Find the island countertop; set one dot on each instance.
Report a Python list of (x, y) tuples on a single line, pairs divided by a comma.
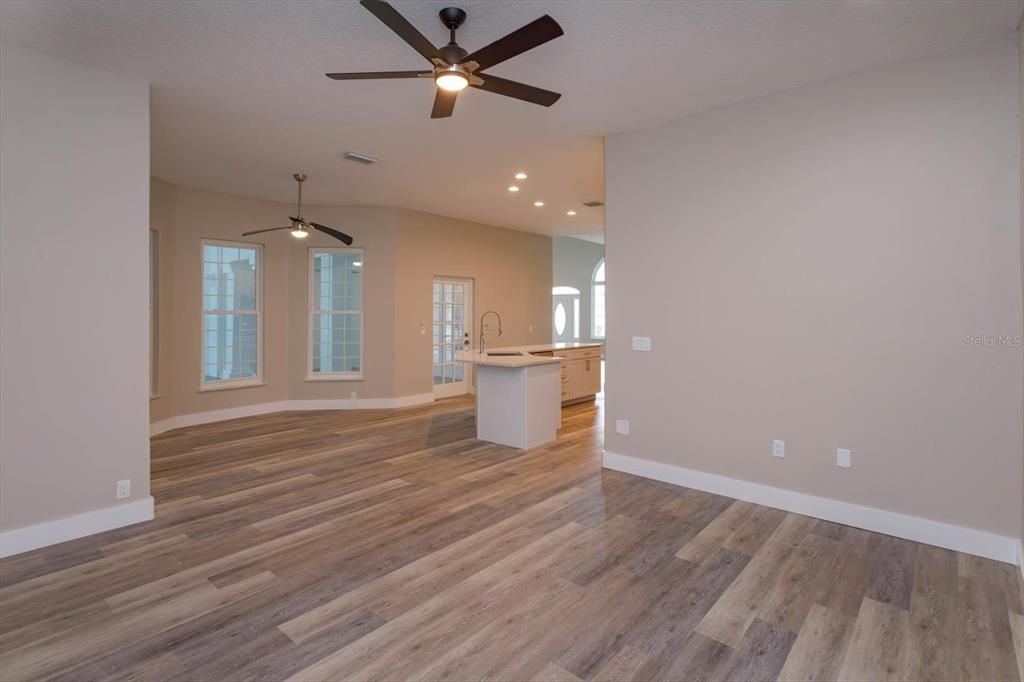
[(522, 357)]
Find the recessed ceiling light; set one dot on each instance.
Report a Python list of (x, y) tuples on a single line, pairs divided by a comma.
[(513, 188), (520, 175), (570, 213), (538, 203)]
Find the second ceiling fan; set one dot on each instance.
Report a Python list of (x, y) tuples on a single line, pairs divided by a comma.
[(456, 69)]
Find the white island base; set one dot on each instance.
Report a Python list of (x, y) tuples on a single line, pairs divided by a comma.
[(518, 399)]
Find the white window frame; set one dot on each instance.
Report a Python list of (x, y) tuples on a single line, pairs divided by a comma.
[(311, 312), (593, 301), (225, 384)]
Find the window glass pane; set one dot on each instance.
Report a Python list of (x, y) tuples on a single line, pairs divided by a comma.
[(230, 348), (560, 319), (599, 322), (229, 278), (230, 328), (336, 305), (599, 273)]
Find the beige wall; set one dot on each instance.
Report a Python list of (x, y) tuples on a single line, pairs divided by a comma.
[(402, 252), (209, 215), (74, 189), (808, 265), (511, 273), (374, 231)]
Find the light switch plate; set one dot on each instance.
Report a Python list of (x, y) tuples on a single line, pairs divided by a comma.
[(842, 458), (642, 343), (622, 426), (778, 448)]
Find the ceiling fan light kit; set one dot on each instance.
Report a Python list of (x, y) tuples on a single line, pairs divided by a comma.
[(455, 69), (300, 226)]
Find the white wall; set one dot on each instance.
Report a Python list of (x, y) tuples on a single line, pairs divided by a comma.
[(74, 195), (808, 265)]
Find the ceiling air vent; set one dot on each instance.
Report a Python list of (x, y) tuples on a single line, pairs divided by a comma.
[(356, 157), (593, 204)]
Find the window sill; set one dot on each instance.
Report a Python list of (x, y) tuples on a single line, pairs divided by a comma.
[(228, 385), (335, 377)]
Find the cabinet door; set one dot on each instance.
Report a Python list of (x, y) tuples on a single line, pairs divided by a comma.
[(577, 378), (592, 376)]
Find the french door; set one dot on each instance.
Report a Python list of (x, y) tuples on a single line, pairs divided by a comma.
[(453, 332)]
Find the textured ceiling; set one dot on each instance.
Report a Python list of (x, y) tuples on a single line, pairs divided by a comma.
[(239, 100)]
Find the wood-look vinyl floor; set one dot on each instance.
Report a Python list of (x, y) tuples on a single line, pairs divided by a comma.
[(392, 545)]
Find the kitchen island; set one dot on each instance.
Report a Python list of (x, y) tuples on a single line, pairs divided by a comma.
[(520, 389)]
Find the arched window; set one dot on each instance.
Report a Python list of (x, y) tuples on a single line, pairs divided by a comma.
[(597, 302), (565, 307)]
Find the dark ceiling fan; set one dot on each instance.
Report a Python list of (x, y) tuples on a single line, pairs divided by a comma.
[(300, 226), (454, 68)]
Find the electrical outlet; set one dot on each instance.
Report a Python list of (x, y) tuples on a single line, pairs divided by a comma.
[(842, 458), (622, 426), (531, 328), (778, 448), (642, 343), (124, 489), (352, 396)]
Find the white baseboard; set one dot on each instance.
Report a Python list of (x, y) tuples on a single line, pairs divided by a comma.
[(69, 528), (958, 538), (159, 427)]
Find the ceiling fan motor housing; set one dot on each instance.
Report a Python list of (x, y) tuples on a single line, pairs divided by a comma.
[(452, 17)]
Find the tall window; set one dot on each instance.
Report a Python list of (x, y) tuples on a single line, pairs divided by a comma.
[(232, 314), (154, 312), (597, 301), (336, 313)]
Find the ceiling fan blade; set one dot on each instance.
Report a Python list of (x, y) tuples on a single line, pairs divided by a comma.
[(367, 75), (400, 25), (340, 236), (269, 229), (535, 33), (444, 103), (527, 93)]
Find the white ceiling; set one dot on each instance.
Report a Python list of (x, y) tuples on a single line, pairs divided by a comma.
[(239, 100)]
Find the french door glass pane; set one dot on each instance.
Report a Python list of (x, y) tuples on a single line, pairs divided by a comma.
[(449, 330)]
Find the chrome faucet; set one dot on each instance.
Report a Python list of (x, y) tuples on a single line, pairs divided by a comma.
[(483, 329)]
